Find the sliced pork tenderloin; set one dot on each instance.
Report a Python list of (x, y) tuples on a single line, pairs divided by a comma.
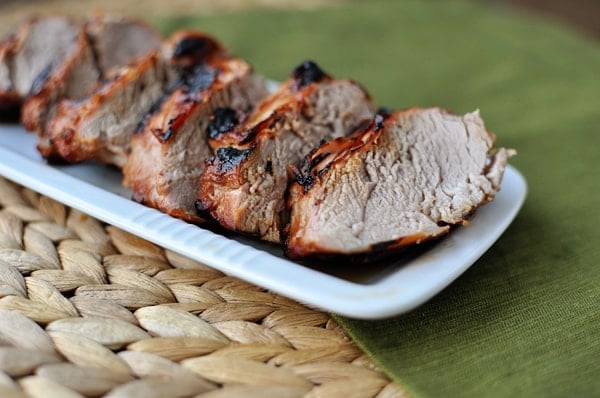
[(404, 179), (243, 186), (81, 70), (27, 52), (118, 40), (71, 76), (100, 126), (169, 149)]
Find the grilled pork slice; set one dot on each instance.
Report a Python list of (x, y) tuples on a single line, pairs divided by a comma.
[(169, 149), (100, 127), (26, 53), (71, 76), (83, 66), (244, 184), (404, 179)]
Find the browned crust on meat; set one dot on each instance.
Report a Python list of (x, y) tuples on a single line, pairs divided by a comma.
[(264, 119), (225, 172), (181, 103), (138, 177), (222, 170), (77, 74), (64, 128), (326, 155), (322, 158), (189, 47), (201, 88), (229, 183), (184, 49), (308, 176), (313, 251), (169, 112)]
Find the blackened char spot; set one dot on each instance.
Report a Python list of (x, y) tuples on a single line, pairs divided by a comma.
[(192, 83), (202, 209), (230, 157), (268, 123), (303, 174), (197, 47), (379, 119), (222, 121), (307, 181), (306, 73), (168, 133), (40, 80), (376, 123), (383, 246), (199, 78), (384, 111), (153, 109)]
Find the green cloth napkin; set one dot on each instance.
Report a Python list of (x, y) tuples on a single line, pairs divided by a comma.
[(525, 319)]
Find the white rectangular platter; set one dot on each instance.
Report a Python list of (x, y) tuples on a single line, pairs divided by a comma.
[(367, 292)]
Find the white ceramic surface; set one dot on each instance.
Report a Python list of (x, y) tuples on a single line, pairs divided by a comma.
[(366, 292)]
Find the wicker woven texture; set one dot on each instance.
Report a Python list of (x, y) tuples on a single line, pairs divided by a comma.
[(89, 310)]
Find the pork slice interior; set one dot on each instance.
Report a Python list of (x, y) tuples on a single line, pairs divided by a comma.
[(428, 169), (117, 41), (48, 39)]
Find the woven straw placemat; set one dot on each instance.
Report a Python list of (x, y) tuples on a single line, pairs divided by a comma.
[(87, 309)]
